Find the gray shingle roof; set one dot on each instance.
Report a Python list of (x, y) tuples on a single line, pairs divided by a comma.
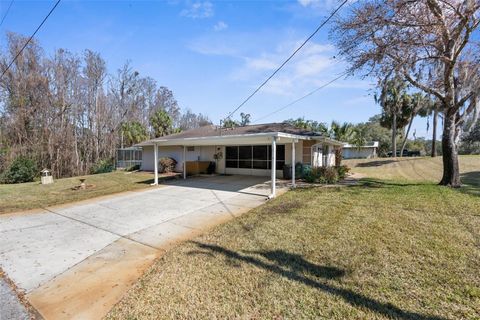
[(214, 131)]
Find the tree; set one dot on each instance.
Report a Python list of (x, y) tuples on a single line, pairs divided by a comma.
[(427, 42), (133, 132), (244, 119), (311, 125), (342, 132), (394, 101), (66, 113), (372, 130), (471, 139), (161, 123), (419, 104)]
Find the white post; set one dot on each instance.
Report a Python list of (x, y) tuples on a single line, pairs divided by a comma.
[(184, 162), (155, 165), (274, 166), (293, 163)]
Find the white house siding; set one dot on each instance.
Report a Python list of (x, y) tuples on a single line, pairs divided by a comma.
[(354, 153)]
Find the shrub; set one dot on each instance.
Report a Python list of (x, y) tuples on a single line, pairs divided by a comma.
[(330, 174), (167, 164), (133, 168), (102, 166), (321, 175), (310, 177), (342, 171), (22, 169)]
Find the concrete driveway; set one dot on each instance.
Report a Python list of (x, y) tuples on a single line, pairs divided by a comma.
[(76, 261)]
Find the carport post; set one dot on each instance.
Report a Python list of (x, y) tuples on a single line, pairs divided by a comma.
[(155, 165), (293, 163), (184, 162), (274, 166)]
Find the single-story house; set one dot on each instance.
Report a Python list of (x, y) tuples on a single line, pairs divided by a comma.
[(370, 150), (260, 150)]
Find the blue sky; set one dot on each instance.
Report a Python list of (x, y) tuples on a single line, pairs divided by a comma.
[(212, 54)]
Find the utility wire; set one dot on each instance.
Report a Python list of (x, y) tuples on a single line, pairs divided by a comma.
[(30, 39), (6, 13), (301, 98), (288, 59)]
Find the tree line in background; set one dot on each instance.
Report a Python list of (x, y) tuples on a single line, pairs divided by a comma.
[(66, 112), (360, 134)]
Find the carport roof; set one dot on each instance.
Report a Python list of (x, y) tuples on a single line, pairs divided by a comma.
[(216, 134)]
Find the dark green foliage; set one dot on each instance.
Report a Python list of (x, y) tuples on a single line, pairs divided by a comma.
[(325, 175), (133, 132), (470, 143), (133, 168), (167, 164), (342, 171), (103, 166), (22, 169), (309, 125), (161, 123), (244, 121)]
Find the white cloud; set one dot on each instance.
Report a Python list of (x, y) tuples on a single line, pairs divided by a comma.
[(261, 63), (220, 26), (198, 10), (312, 65), (306, 3), (254, 58)]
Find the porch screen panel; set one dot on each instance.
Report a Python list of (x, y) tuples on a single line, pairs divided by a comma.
[(260, 157), (280, 157), (253, 157), (245, 157), (231, 157)]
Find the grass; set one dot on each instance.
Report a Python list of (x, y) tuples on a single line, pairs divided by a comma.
[(409, 169), (16, 197), (383, 249)]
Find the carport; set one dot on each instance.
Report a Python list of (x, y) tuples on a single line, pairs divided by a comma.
[(257, 139)]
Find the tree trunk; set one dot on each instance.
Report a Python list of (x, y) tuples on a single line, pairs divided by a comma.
[(451, 172), (394, 134), (434, 134), (406, 135), (338, 156)]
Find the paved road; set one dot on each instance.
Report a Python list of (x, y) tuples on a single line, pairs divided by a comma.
[(10, 306), (77, 261)]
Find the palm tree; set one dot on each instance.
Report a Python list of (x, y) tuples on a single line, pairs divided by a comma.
[(342, 132)]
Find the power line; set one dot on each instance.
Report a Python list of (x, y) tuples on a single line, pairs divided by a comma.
[(6, 13), (301, 98), (30, 39), (288, 59)]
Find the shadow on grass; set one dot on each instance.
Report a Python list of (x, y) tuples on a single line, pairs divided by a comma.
[(294, 267), (377, 183), (471, 183), (377, 163)]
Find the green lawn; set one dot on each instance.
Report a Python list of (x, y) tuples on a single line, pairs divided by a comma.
[(15, 197), (383, 249)]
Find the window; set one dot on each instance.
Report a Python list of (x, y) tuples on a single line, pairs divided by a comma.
[(231, 157), (253, 157), (190, 149)]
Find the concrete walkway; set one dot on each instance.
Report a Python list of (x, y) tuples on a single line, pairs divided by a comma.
[(77, 261)]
